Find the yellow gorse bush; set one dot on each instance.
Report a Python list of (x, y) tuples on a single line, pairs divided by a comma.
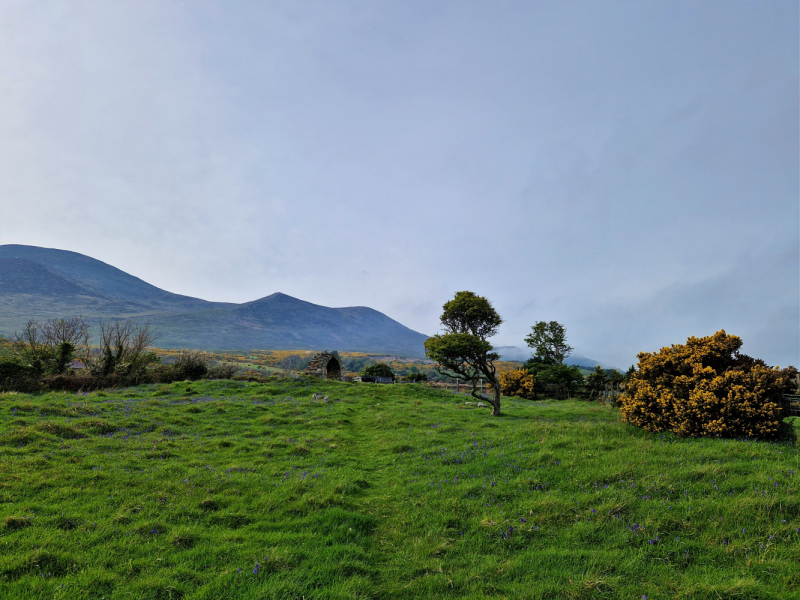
[(706, 388), (517, 383)]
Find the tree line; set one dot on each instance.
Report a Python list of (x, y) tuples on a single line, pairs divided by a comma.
[(59, 354)]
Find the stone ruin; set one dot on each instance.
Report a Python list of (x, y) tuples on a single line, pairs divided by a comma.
[(325, 365)]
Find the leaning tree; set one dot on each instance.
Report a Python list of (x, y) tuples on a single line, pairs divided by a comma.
[(462, 351)]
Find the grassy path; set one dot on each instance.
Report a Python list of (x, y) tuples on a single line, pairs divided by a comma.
[(235, 490)]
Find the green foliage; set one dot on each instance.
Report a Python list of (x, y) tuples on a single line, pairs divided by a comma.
[(13, 370), (566, 377), (596, 381), (549, 341), (62, 358), (466, 357), (378, 370), (470, 314), (459, 351), (124, 346), (192, 364), (154, 492), (357, 365), (50, 347), (222, 371), (418, 377), (558, 378)]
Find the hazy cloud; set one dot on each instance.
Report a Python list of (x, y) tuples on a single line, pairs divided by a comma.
[(627, 168)]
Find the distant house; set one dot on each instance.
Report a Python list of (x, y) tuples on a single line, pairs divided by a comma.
[(77, 365)]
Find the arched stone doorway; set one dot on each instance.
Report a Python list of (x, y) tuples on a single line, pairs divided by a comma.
[(325, 365), (334, 368)]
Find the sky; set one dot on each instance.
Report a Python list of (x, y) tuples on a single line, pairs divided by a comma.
[(629, 169)]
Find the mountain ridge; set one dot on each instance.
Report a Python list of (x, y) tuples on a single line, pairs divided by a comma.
[(102, 278), (40, 283)]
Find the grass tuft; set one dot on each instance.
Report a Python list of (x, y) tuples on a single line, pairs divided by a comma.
[(14, 522)]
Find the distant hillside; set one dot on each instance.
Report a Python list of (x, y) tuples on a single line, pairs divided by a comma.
[(102, 280), (40, 283), (289, 323), (20, 276)]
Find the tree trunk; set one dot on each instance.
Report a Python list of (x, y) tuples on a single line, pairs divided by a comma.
[(495, 399)]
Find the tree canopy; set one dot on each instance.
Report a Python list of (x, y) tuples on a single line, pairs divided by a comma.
[(462, 351), (378, 370), (472, 314), (597, 380), (549, 341)]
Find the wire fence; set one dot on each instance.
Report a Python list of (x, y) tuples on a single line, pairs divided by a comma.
[(792, 404)]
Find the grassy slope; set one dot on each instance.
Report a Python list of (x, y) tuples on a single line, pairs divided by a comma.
[(386, 491)]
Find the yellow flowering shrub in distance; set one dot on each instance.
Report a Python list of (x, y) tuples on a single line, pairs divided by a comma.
[(707, 388), (517, 383)]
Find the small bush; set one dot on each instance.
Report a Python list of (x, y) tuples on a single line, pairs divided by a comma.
[(14, 369), (191, 364), (16, 376), (706, 388), (517, 383), (163, 374), (378, 370), (222, 371)]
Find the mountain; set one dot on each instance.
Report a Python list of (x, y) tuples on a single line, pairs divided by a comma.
[(102, 280), (40, 283), (289, 323), (515, 353)]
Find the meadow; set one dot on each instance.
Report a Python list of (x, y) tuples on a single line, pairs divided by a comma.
[(271, 362), (232, 489)]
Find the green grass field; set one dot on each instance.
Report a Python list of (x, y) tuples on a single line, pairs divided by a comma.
[(242, 490)]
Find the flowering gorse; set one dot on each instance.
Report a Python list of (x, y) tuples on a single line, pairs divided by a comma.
[(706, 388)]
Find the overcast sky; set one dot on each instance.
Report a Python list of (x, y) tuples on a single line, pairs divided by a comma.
[(629, 169)]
